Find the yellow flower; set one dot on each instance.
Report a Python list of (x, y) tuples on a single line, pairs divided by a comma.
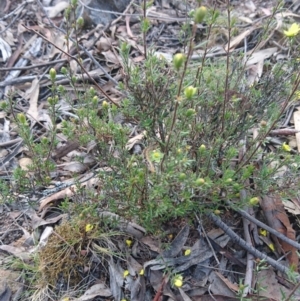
[(128, 242), (125, 273), (286, 147), (187, 252), (156, 156), (271, 246), (142, 272), (88, 227), (292, 31), (263, 232), (177, 281)]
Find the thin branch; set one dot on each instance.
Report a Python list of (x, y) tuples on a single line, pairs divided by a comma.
[(292, 292), (207, 239), (242, 243), (34, 66), (264, 226), (250, 257)]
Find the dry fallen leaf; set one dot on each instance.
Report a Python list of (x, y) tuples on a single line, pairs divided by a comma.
[(260, 55), (277, 219), (32, 95), (254, 73), (104, 44), (5, 50), (24, 162), (238, 39), (67, 192), (292, 206), (53, 11), (19, 252), (96, 290), (272, 288), (221, 285), (134, 140)]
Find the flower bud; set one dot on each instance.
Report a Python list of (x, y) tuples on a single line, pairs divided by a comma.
[(80, 22), (63, 70), (182, 176), (52, 100), (92, 91), (104, 104), (263, 123), (200, 182), (67, 12), (95, 100), (189, 92), (202, 148), (178, 60), (3, 105), (200, 14), (190, 112), (44, 140), (254, 201), (22, 118), (52, 74), (61, 89)]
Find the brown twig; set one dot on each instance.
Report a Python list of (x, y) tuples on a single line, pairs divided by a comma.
[(250, 257), (34, 66), (242, 243), (207, 239), (159, 291), (293, 291), (264, 226)]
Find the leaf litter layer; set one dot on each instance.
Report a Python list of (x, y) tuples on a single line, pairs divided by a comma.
[(99, 163)]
